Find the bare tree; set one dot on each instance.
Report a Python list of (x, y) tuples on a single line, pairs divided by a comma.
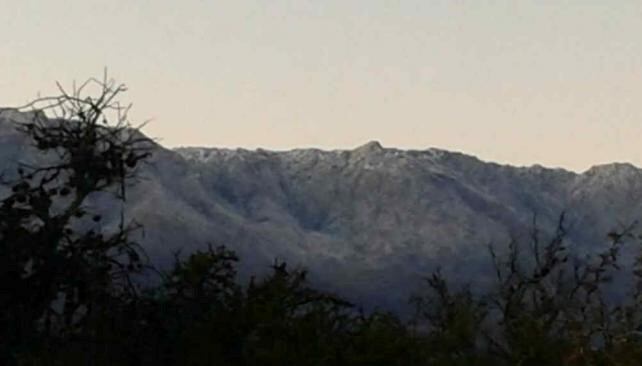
[(58, 266)]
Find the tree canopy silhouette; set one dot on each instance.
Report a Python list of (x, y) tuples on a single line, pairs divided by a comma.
[(58, 265)]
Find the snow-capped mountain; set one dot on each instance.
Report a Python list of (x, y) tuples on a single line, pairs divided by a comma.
[(368, 223)]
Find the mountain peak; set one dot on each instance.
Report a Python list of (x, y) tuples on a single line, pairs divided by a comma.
[(16, 115), (369, 147), (613, 168)]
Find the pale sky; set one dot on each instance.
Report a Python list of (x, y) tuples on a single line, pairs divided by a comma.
[(557, 83)]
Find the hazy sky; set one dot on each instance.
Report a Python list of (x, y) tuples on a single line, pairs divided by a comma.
[(557, 83)]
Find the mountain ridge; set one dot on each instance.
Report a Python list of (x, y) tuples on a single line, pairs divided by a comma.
[(189, 151), (368, 222)]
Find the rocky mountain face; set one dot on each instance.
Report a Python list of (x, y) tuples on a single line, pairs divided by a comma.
[(368, 223)]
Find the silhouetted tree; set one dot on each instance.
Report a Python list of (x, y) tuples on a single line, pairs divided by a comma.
[(58, 267), (548, 308)]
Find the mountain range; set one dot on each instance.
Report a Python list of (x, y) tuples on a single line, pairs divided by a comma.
[(368, 223)]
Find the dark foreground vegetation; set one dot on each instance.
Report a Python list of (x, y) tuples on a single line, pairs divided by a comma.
[(71, 293)]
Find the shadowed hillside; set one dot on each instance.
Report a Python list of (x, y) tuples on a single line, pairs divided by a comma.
[(361, 220)]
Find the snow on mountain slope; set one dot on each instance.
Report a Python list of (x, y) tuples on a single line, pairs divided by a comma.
[(367, 222)]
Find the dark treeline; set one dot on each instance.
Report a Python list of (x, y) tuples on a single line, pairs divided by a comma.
[(69, 293)]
